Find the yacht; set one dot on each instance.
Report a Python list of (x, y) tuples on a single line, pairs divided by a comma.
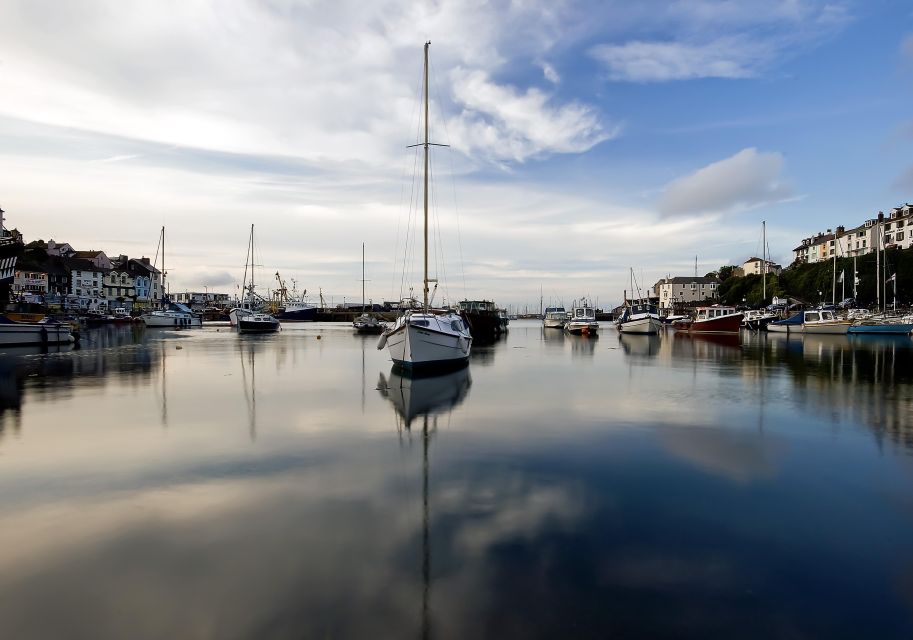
[(715, 319), (555, 317)]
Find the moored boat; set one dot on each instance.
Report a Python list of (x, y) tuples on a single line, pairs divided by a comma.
[(715, 319), (582, 321), (249, 318), (425, 340), (43, 332), (880, 327), (758, 319), (368, 323), (815, 321), (175, 316), (483, 318), (555, 317), (640, 317), (258, 323)]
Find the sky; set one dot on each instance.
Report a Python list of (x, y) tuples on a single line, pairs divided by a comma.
[(586, 139)]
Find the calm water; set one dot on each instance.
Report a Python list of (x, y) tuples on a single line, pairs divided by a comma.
[(206, 485)]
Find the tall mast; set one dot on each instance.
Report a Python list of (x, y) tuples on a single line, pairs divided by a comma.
[(251, 296), (164, 273), (425, 145), (362, 277), (834, 285), (878, 260), (764, 261)]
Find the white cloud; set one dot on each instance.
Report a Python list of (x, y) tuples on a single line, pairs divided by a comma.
[(550, 73), (735, 39), (662, 61), (510, 125), (743, 181)]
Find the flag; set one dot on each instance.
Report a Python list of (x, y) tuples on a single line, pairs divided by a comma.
[(892, 278), (840, 279)]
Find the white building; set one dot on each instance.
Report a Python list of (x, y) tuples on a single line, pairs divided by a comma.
[(892, 228), (87, 284), (672, 291), (756, 266)]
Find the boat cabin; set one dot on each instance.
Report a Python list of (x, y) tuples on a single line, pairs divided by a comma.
[(584, 313), (820, 316), (709, 313), (478, 306)]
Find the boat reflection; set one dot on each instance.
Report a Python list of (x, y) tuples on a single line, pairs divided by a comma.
[(425, 397), (583, 346), (413, 397), (640, 345)]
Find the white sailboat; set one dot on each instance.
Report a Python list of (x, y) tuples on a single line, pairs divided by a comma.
[(172, 315), (247, 318), (425, 339)]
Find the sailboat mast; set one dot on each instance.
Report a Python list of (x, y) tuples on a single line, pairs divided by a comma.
[(425, 287), (834, 285), (764, 261), (251, 296), (164, 273), (362, 277)]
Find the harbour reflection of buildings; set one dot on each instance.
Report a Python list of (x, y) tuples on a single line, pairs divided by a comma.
[(867, 380), (34, 374)]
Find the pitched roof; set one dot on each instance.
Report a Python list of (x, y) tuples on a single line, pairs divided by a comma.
[(688, 280)]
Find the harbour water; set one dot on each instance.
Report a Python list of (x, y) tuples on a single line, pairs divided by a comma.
[(201, 484)]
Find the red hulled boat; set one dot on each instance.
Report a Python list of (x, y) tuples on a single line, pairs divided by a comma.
[(715, 319)]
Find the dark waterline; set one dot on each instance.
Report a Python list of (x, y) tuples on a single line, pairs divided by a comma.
[(199, 484)]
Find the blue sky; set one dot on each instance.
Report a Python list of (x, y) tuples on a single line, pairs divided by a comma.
[(587, 138)]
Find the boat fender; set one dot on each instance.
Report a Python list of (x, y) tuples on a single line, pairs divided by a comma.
[(382, 342), (463, 343)]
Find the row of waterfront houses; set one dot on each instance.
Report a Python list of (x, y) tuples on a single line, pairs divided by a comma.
[(888, 230), (671, 291)]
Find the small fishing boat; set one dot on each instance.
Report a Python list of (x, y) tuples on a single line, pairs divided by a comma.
[(582, 321), (555, 317), (45, 331), (483, 318), (815, 321), (639, 316), (715, 319)]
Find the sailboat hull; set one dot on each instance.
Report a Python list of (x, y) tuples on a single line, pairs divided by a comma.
[(424, 348), (643, 326)]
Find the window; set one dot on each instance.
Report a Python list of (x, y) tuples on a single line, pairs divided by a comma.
[(899, 236), (693, 286), (863, 244), (811, 317)]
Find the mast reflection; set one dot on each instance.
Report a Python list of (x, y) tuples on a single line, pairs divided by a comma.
[(424, 398)]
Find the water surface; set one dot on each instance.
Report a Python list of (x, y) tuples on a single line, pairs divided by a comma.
[(201, 484)]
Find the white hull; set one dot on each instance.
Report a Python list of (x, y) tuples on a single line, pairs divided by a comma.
[(35, 333), (577, 327), (645, 326), (166, 320), (553, 323), (437, 345), (237, 313), (825, 328)]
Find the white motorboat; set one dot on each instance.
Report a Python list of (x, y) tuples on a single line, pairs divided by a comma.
[(43, 332), (366, 322), (816, 321), (555, 317), (582, 320), (425, 339)]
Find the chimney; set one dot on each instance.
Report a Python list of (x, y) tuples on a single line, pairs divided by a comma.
[(144, 260), (880, 217), (841, 230)]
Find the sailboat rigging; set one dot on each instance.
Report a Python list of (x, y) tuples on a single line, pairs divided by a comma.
[(172, 315), (427, 339), (246, 317)]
